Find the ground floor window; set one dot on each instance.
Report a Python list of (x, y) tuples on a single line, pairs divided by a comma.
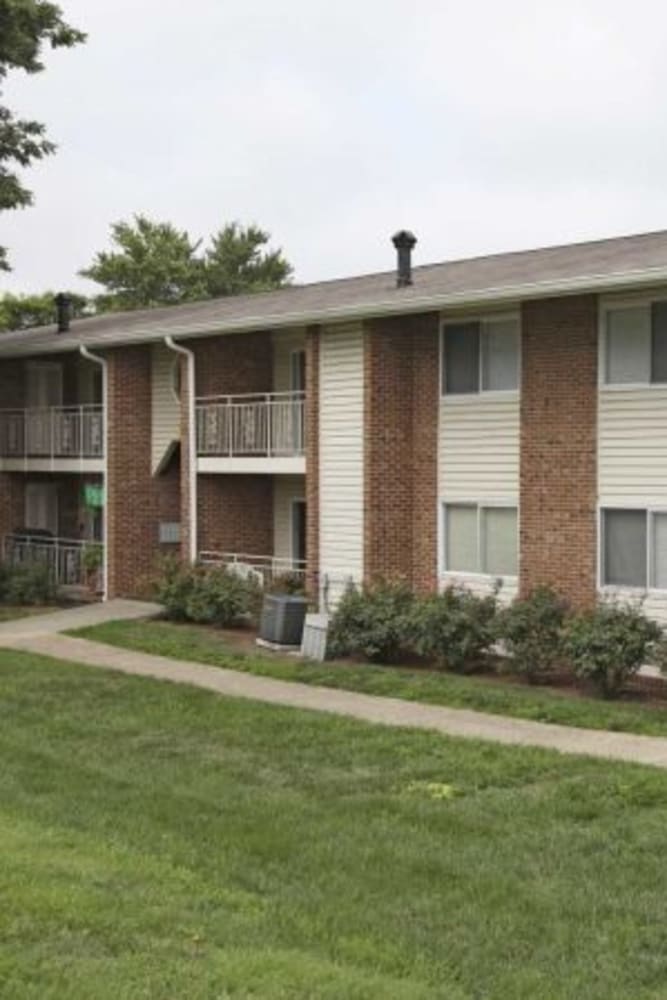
[(480, 538), (634, 548)]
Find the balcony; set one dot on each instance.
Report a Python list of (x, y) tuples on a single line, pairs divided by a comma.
[(264, 570), (56, 439), (262, 432), (71, 562)]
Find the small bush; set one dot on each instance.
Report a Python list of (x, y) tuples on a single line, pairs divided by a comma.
[(206, 595), (372, 622), (608, 645), (530, 630), (287, 583), (28, 583), (454, 628)]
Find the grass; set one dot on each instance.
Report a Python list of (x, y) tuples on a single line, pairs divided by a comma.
[(161, 842), (190, 642)]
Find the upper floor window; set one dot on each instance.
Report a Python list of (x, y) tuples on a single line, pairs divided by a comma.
[(635, 344), (480, 356)]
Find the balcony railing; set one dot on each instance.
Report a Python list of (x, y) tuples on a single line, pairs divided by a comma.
[(268, 425), (264, 569), (52, 432), (71, 562)]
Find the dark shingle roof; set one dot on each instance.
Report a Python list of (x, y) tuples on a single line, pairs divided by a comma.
[(622, 262)]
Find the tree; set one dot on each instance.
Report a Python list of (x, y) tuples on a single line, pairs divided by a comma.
[(153, 263), (25, 26), (18, 312), (234, 263)]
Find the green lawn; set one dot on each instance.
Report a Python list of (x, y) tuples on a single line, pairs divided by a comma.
[(161, 842), (190, 642)]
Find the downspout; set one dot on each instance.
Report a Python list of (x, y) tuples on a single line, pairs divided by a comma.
[(102, 362), (192, 441)]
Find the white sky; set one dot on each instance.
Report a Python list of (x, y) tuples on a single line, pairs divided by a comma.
[(483, 126)]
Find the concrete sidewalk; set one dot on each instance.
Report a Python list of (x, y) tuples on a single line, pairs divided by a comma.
[(71, 618), (370, 708)]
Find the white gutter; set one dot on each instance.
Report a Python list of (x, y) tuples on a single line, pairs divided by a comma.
[(192, 442), (102, 362)]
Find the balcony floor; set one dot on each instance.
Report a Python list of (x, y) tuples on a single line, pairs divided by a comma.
[(258, 464), (83, 465)]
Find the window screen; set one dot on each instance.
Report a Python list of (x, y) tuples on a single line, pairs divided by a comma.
[(628, 345), (461, 358), (499, 541), (461, 538), (624, 553), (659, 342), (500, 355)]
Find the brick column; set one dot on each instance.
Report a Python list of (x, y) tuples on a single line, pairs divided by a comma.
[(558, 478), (401, 396), (131, 502), (312, 429)]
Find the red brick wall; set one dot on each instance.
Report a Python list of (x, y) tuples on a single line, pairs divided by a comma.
[(401, 395), (236, 513), (235, 364), (312, 458), (558, 476), (136, 500)]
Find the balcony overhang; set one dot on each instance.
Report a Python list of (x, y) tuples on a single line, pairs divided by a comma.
[(289, 465), (82, 465)]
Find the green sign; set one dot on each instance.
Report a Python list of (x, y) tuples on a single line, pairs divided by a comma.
[(93, 495)]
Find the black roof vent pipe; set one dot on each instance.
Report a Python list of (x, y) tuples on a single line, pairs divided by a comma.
[(63, 311), (404, 241)]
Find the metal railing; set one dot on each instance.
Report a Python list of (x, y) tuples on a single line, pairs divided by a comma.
[(266, 425), (71, 562), (52, 432), (264, 569)]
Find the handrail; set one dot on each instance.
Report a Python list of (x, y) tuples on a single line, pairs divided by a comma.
[(269, 425), (245, 397), (52, 432)]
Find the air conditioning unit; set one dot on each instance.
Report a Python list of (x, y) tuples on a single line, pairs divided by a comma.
[(282, 619)]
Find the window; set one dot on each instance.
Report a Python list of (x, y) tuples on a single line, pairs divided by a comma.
[(634, 548), (480, 539), (480, 356), (636, 344)]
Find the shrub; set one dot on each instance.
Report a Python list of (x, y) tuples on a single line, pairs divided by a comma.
[(372, 622), (454, 628), (608, 645), (28, 583), (531, 630), (206, 595), (287, 583)]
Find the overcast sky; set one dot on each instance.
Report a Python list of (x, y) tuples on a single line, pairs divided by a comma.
[(483, 126)]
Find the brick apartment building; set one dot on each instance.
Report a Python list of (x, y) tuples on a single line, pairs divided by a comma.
[(503, 417)]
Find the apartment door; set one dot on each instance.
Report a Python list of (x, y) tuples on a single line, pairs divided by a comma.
[(299, 531), (44, 389), (41, 507)]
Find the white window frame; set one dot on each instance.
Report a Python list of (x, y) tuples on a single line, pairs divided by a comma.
[(615, 588), (612, 304), (481, 318), (461, 574)]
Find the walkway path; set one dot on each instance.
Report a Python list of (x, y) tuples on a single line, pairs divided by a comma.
[(39, 635)]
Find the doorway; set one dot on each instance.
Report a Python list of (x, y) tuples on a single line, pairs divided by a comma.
[(299, 530)]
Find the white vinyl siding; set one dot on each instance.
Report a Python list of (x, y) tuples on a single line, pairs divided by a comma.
[(632, 446), (285, 490), (479, 448), (165, 407), (341, 454), (284, 343)]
